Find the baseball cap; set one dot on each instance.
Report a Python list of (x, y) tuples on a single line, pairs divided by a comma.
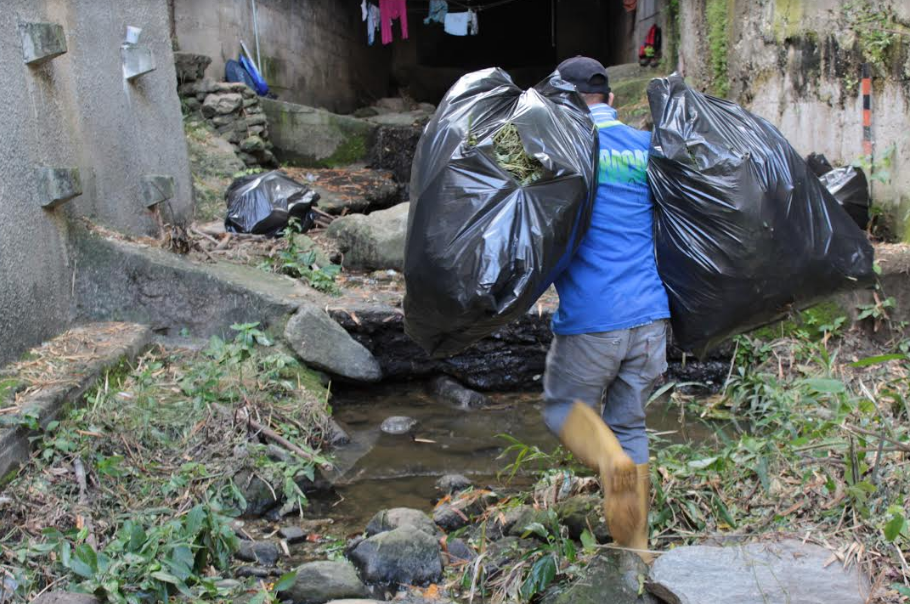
[(587, 74)]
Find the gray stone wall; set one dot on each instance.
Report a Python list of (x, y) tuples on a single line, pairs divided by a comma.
[(313, 52), (77, 111)]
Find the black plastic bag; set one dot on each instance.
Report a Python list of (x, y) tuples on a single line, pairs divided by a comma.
[(851, 190), (819, 164), (262, 204), (744, 231), (481, 248)]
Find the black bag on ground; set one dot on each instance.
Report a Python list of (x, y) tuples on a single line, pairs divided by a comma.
[(851, 190), (481, 247), (744, 231), (262, 204)]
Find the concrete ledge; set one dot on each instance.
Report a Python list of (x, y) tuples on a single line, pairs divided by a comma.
[(121, 281), (87, 353)]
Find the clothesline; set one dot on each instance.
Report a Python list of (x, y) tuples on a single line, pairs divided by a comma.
[(475, 8)]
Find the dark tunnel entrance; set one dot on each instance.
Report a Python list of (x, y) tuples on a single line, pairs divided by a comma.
[(527, 38)]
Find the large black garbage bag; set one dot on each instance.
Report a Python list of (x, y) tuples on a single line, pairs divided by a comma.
[(481, 247), (262, 204), (744, 231), (850, 188)]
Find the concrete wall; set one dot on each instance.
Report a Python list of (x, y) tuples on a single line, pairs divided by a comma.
[(797, 63), (313, 52), (77, 110)]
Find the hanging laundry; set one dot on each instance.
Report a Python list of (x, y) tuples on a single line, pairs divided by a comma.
[(438, 11), (630, 5), (370, 13), (462, 24), (389, 11)]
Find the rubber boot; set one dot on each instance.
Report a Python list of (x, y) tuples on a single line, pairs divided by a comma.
[(585, 434), (640, 536)]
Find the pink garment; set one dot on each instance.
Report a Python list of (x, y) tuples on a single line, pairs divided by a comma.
[(390, 10)]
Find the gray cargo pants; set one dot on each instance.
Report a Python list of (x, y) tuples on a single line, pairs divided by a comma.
[(619, 368)]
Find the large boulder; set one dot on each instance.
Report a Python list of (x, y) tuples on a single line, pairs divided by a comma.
[(614, 577), (190, 66), (321, 343), (355, 191), (372, 242), (395, 518), (757, 573), (221, 104), (318, 582), (401, 556)]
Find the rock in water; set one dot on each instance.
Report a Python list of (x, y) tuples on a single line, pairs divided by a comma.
[(374, 241), (614, 577), (260, 552), (319, 582), (452, 483), (788, 571), (389, 520), (455, 394), (324, 344), (398, 425), (401, 556), (449, 518)]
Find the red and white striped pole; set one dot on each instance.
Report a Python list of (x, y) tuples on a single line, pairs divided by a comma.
[(867, 111)]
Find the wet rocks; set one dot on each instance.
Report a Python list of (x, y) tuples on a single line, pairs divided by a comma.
[(221, 104), (581, 513), (452, 483), (372, 242), (449, 518), (321, 343), (450, 391), (458, 551), (395, 518), (788, 571), (253, 571), (614, 577), (319, 582), (398, 425), (260, 552), (399, 556), (292, 534)]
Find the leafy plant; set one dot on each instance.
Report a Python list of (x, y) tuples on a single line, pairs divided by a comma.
[(510, 154), (303, 264), (555, 553)]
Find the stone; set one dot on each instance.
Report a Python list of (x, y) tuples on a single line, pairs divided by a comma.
[(249, 160), (190, 66), (517, 520), (372, 242), (306, 136), (250, 102), (56, 186), (255, 130), (393, 149), (253, 571), (365, 112), (337, 436), (786, 571), (260, 552), (292, 534), (248, 92), (450, 391), (157, 188), (257, 119), (449, 518), (65, 597), (452, 483), (395, 518), (323, 581), (398, 425), (235, 87), (305, 244), (400, 556), (583, 512), (459, 551), (221, 104), (41, 42), (191, 105), (614, 577), (393, 104), (322, 343), (346, 190), (224, 120), (427, 108), (137, 60), (252, 144)]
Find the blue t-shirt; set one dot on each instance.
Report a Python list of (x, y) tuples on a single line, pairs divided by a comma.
[(612, 281)]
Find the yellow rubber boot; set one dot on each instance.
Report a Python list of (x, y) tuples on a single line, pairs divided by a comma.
[(585, 434), (640, 536)]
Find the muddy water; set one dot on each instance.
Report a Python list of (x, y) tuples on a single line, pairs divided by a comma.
[(378, 470)]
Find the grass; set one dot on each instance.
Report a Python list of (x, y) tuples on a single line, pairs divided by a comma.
[(510, 154), (129, 497)]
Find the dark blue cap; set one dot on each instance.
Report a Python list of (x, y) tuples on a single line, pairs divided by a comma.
[(587, 74)]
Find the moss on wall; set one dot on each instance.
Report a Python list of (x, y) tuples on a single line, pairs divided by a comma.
[(788, 16), (718, 16)]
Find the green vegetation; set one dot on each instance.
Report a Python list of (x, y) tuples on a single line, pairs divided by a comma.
[(129, 497), (304, 264), (877, 31), (671, 60), (510, 154), (717, 15)]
